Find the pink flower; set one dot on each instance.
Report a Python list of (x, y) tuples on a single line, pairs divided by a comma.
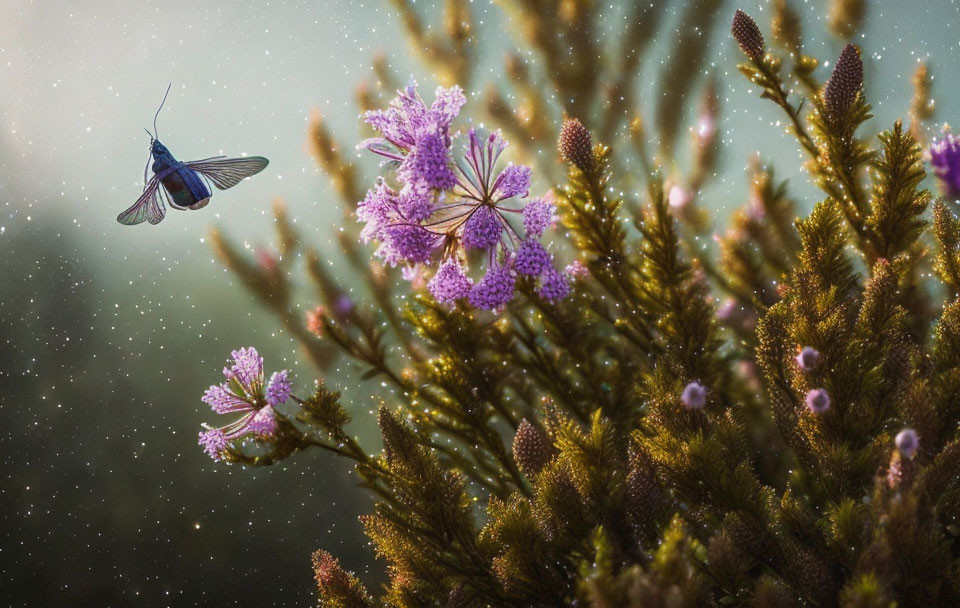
[(808, 358), (244, 392), (315, 321), (455, 203), (679, 197), (818, 401), (907, 442), (694, 396)]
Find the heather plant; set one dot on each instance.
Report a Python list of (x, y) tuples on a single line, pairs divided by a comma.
[(621, 417)]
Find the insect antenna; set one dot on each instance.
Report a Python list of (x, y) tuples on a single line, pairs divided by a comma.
[(149, 156), (158, 110)]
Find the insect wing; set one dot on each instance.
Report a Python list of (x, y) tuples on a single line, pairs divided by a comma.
[(228, 172), (148, 207)]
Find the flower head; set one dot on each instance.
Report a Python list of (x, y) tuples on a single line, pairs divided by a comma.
[(437, 218), (247, 368), (417, 137), (538, 214), (808, 358), (554, 286), (278, 390), (818, 401), (531, 258), (907, 442), (449, 283), (428, 163), (945, 158), (244, 392), (263, 423), (494, 290), (694, 396), (513, 181), (408, 242), (214, 443), (482, 230)]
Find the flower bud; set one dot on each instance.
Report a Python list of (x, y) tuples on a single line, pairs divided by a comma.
[(818, 401), (907, 442), (808, 358), (845, 82), (644, 494), (575, 144), (531, 448), (747, 35), (694, 396)]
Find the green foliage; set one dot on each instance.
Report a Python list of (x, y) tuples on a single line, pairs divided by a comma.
[(841, 156), (896, 202), (591, 214), (946, 227), (547, 455)]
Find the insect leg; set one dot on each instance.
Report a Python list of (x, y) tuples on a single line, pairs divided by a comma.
[(166, 196)]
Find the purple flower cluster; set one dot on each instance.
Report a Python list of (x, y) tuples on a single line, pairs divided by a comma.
[(447, 207), (244, 391), (945, 159)]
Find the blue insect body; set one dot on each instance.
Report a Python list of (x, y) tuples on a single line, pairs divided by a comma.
[(185, 185), (185, 188)]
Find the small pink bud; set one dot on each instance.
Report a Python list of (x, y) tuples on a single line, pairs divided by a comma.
[(808, 358), (694, 396), (576, 270), (907, 442), (679, 197), (818, 401), (315, 321)]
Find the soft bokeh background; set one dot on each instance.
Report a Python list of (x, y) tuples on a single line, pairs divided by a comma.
[(109, 334)]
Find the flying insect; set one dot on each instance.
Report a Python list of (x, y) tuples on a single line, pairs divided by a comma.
[(184, 185)]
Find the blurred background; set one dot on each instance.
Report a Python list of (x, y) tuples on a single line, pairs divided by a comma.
[(110, 334)]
